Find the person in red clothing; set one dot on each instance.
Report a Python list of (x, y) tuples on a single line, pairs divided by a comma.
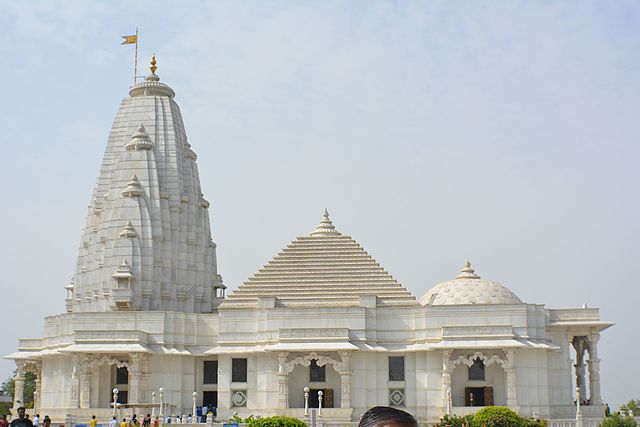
[(3, 421)]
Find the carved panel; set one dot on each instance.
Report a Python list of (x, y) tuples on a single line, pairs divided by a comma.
[(290, 333), (477, 331)]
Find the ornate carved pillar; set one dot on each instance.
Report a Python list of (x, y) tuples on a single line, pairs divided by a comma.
[(138, 377), (580, 344), (345, 379), (283, 381), (74, 400), (512, 388), (594, 370), (446, 380), (18, 392), (85, 385)]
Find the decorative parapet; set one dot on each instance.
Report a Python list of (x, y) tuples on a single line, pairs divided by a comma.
[(311, 334), (477, 331), (92, 336), (29, 343), (573, 314)]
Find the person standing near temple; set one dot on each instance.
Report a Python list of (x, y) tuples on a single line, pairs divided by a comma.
[(114, 422), (92, 422), (36, 420), (3, 421), (22, 420)]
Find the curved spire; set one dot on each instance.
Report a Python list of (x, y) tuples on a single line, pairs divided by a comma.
[(325, 227), (467, 272)]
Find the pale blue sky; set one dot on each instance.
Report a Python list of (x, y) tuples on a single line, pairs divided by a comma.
[(504, 132)]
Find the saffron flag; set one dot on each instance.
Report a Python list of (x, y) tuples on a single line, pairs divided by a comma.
[(130, 39)]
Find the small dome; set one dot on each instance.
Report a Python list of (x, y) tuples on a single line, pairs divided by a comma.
[(469, 288)]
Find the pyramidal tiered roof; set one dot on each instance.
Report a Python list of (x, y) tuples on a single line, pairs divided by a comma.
[(324, 268)]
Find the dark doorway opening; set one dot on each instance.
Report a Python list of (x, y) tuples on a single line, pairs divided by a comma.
[(478, 396), (210, 398), (327, 398)]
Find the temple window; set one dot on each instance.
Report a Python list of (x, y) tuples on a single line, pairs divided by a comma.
[(476, 371), (239, 370), (122, 376), (210, 369), (396, 368), (316, 373)]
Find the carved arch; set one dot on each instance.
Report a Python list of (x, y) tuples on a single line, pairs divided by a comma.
[(306, 361), (487, 360), (95, 361)]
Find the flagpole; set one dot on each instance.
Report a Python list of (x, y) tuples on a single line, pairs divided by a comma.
[(135, 60)]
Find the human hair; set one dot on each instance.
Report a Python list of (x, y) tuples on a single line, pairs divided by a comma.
[(380, 416)]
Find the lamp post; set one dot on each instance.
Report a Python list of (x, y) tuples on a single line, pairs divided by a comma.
[(115, 400), (153, 405), (320, 393), (193, 414), (306, 401), (161, 404)]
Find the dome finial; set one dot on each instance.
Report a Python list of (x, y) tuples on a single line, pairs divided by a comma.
[(467, 272), (153, 67), (326, 226)]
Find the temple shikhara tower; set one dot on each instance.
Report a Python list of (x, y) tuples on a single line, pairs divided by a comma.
[(148, 324)]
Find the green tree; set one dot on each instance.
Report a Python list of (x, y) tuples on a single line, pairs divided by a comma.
[(455, 421), (9, 385), (617, 420), (633, 405), (497, 416)]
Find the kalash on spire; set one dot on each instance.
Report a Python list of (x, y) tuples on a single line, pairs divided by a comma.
[(147, 241)]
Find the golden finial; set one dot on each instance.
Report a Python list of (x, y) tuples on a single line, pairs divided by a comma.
[(153, 67)]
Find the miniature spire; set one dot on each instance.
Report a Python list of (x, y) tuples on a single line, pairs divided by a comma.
[(139, 140), (467, 272), (128, 231), (153, 67), (325, 226), (134, 189)]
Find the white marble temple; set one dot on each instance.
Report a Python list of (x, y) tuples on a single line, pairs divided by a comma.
[(147, 310)]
